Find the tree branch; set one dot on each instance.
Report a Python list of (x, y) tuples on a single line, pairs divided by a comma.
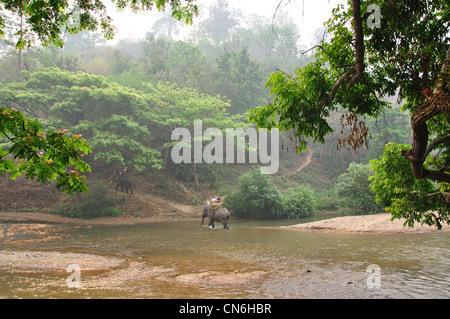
[(358, 69), (445, 194), (436, 142), (316, 46), (335, 88), (359, 42)]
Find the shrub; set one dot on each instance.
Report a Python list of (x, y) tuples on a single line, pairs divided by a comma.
[(96, 204), (354, 193), (299, 202), (255, 197)]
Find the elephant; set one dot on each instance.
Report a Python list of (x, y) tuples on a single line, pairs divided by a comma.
[(219, 215), (122, 180)]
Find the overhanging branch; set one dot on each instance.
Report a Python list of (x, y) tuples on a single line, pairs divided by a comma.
[(335, 88)]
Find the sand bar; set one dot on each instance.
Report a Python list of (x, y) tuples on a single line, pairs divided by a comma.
[(379, 223)]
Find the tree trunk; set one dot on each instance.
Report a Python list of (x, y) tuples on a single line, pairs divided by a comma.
[(438, 103), (165, 161), (194, 169)]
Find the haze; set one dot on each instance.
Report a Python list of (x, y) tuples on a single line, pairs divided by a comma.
[(309, 16)]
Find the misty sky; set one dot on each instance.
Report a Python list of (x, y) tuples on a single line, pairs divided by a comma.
[(308, 14)]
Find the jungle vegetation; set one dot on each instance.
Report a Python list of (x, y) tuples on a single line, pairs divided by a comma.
[(71, 103)]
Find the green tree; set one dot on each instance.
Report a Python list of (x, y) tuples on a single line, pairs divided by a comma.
[(213, 32), (187, 66), (255, 197), (154, 58), (50, 155), (173, 107), (354, 192), (361, 63), (274, 44), (239, 79)]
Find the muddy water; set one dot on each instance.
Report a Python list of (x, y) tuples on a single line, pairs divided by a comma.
[(184, 260)]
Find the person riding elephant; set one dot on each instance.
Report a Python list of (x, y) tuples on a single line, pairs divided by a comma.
[(123, 180), (219, 214)]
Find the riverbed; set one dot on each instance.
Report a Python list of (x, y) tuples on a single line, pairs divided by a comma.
[(255, 259)]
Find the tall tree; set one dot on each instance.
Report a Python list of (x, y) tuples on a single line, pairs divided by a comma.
[(377, 48), (240, 79), (173, 107)]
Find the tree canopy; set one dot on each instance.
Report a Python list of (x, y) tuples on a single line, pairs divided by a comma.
[(46, 21), (49, 155)]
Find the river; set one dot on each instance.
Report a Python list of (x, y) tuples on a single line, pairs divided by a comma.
[(252, 260)]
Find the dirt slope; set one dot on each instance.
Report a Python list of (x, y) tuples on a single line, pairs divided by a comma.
[(30, 202)]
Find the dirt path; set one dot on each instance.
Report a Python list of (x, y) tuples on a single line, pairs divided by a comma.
[(305, 163)]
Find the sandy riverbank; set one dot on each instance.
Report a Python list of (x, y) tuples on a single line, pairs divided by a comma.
[(46, 218), (379, 223), (47, 261)]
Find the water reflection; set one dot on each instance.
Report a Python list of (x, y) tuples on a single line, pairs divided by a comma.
[(184, 260)]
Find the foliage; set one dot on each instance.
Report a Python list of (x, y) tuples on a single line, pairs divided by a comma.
[(255, 197), (299, 202), (106, 114), (42, 155), (273, 43), (95, 205), (354, 193), (358, 66), (47, 20), (240, 80), (417, 200), (174, 107), (392, 126)]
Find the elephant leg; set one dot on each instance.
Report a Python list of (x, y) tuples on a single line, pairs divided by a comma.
[(211, 223), (131, 189)]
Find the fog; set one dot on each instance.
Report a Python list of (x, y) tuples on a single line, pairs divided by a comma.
[(309, 15)]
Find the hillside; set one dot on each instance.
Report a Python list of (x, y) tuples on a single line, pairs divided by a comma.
[(156, 195)]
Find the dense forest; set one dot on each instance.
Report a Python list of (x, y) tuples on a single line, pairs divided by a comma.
[(126, 98)]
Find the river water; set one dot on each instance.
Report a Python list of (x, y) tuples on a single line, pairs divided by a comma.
[(252, 260)]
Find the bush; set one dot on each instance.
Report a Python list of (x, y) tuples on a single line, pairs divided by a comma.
[(255, 197), (354, 193), (96, 204), (327, 200), (299, 202)]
